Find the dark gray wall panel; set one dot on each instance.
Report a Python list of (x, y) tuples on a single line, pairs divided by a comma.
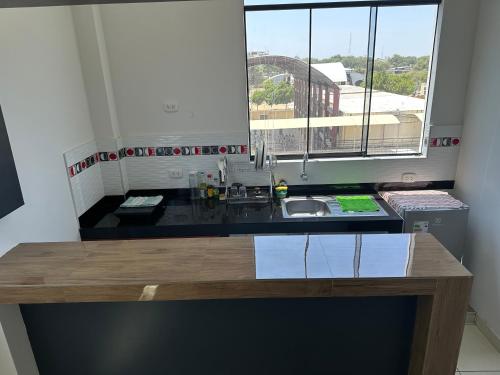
[(11, 196)]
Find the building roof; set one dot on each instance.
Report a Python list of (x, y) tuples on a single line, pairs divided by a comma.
[(298, 68), (335, 71), (352, 100)]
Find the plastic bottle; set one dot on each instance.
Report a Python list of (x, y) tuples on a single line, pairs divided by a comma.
[(193, 185), (210, 187), (216, 188), (202, 185)]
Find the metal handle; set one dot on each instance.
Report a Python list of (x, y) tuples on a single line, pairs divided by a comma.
[(304, 175)]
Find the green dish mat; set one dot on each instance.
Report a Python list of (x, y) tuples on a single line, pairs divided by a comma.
[(357, 203)]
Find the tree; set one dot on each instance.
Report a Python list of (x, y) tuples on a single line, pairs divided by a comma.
[(398, 60), (403, 84), (422, 63), (273, 93), (258, 97), (381, 65), (281, 93), (284, 93)]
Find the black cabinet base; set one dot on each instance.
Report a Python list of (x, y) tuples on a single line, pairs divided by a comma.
[(224, 337)]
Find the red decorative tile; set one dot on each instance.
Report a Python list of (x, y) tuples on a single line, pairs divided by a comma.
[(455, 141), (222, 149), (177, 151), (130, 151), (72, 171), (113, 156), (435, 142), (151, 151), (243, 149)]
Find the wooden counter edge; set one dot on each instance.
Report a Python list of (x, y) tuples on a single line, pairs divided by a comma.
[(439, 326), (234, 289)]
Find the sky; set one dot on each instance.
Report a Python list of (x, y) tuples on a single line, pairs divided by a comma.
[(401, 30)]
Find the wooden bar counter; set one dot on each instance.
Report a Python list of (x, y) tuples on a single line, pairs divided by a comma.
[(308, 275)]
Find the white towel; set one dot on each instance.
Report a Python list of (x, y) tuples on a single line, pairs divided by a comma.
[(137, 202)]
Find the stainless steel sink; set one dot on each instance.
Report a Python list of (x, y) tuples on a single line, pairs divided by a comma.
[(320, 206), (297, 207)]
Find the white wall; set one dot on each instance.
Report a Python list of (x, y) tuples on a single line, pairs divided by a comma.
[(194, 52), (453, 61), (46, 113), (93, 58), (100, 93), (478, 173), (189, 51)]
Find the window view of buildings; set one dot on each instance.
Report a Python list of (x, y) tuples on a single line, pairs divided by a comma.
[(295, 98)]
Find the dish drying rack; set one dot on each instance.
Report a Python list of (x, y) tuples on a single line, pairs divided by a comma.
[(250, 196)]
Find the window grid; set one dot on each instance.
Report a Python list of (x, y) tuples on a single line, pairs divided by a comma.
[(374, 5)]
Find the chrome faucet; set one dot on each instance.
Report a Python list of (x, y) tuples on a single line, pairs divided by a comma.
[(304, 175), (223, 171), (272, 163)]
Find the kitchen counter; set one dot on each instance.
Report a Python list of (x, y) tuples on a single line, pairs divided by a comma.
[(184, 218), (248, 304), (235, 267)]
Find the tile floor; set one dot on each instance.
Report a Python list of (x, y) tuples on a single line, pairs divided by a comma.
[(477, 355)]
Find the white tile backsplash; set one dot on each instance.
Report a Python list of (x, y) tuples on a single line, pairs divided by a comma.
[(112, 171), (112, 178), (123, 167), (152, 172), (86, 187), (79, 153)]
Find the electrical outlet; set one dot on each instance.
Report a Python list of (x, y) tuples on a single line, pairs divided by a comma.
[(171, 106), (408, 177), (175, 173)]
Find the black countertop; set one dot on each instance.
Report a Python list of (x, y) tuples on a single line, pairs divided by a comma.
[(181, 217)]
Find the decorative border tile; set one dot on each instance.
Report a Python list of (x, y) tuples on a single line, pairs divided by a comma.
[(162, 151), (84, 164), (183, 150), (109, 156), (444, 142)]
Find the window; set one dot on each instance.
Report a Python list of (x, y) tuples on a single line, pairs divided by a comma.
[(339, 78)]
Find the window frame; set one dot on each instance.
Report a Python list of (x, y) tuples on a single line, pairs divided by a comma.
[(373, 6)]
